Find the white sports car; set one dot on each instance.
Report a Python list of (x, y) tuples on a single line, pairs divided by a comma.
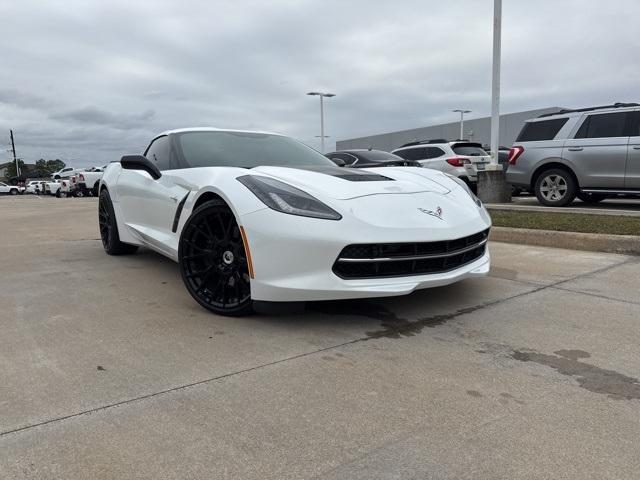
[(260, 217)]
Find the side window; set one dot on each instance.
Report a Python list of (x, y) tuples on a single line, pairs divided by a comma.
[(347, 159), (413, 153), (403, 154), (603, 126), (542, 130), (158, 152), (434, 152)]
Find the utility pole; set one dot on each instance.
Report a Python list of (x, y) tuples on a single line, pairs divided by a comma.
[(13, 149)]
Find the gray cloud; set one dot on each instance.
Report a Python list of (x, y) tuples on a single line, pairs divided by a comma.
[(97, 116), (93, 79)]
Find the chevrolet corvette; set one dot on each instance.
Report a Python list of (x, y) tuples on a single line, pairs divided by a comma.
[(260, 217)]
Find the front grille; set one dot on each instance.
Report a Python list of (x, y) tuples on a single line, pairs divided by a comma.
[(375, 260)]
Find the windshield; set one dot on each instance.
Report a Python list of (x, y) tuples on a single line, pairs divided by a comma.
[(377, 156), (469, 150), (245, 149)]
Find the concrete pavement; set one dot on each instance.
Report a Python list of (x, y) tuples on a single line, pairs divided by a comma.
[(108, 369)]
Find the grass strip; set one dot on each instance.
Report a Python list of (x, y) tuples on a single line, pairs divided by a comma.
[(567, 222)]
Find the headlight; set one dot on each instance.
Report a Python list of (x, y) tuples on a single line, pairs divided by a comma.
[(284, 198), (466, 188)]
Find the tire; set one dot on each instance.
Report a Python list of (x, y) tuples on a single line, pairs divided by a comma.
[(515, 191), (109, 228), (94, 190), (213, 262), (592, 198), (59, 194), (14, 191), (555, 187)]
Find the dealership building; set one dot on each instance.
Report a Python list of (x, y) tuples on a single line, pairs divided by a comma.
[(476, 130)]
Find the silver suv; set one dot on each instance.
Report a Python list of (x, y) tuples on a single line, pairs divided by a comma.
[(591, 153)]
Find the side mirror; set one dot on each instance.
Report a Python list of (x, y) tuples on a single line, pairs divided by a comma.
[(140, 162), (339, 162)]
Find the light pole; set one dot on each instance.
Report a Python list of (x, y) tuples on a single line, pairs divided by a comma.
[(492, 184), (495, 81), (462, 112), (322, 95)]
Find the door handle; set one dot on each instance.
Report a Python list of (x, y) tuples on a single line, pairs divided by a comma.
[(575, 149), (636, 147)]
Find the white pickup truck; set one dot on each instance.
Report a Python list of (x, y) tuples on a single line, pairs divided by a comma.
[(68, 187), (52, 188), (89, 181), (10, 189)]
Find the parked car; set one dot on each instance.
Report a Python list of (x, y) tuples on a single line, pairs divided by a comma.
[(260, 217), (66, 172), (460, 158), (590, 153), (33, 186), (369, 158), (10, 189), (89, 181)]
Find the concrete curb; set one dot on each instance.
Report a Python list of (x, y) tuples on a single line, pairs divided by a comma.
[(625, 244), (495, 207)]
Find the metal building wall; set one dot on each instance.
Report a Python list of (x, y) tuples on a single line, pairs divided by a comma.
[(477, 130)]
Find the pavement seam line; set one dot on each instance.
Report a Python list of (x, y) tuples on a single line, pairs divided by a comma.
[(293, 357), (597, 295)]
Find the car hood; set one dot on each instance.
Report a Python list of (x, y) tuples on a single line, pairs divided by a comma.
[(347, 183)]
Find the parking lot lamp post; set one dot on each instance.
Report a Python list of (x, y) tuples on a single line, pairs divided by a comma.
[(322, 95), (462, 112), (492, 185)]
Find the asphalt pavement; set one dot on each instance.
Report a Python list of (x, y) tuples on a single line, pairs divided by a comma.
[(108, 369)]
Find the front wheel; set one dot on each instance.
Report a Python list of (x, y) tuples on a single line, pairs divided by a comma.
[(109, 228), (13, 191), (555, 188), (213, 261)]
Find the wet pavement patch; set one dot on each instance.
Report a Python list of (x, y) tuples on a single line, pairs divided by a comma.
[(393, 326), (589, 377)]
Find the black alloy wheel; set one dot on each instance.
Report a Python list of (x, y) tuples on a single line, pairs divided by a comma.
[(109, 228), (213, 261)]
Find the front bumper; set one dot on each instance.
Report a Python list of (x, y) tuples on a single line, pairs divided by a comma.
[(293, 256)]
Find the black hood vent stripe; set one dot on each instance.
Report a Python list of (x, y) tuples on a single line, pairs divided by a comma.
[(349, 174)]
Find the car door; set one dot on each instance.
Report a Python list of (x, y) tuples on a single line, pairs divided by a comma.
[(598, 151), (149, 206), (632, 172)]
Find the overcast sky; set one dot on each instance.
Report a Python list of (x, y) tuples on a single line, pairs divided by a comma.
[(89, 80)]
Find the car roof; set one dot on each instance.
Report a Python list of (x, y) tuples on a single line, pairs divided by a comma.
[(433, 144), (568, 113), (213, 129), (359, 150)]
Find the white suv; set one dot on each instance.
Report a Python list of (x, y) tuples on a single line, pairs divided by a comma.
[(461, 158)]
